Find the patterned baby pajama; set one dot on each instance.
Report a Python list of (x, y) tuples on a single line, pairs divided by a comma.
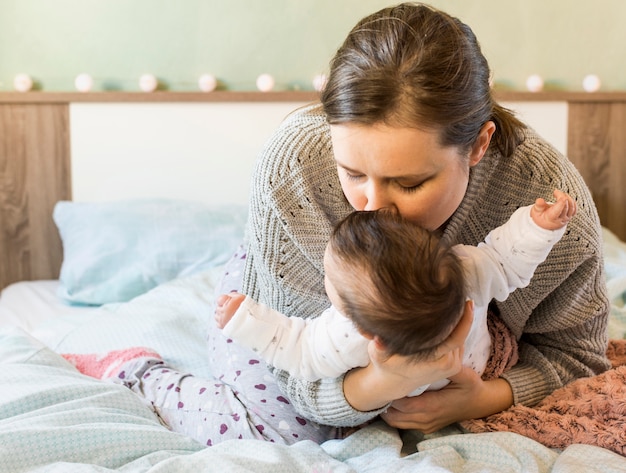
[(241, 401)]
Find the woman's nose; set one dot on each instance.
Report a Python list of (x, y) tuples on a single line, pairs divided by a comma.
[(376, 199)]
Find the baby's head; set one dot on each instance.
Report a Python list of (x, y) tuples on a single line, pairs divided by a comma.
[(395, 280)]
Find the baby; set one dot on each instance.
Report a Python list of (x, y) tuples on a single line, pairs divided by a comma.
[(394, 283)]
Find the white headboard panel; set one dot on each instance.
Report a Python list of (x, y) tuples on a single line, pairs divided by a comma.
[(194, 151), (200, 151), (549, 119)]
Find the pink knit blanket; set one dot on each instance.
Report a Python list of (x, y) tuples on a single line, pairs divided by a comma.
[(588, 411)]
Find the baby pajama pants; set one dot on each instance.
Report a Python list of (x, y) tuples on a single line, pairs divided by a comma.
[(241, 401)]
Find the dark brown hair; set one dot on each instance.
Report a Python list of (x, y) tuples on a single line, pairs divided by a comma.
[(402, 283), (415, 66)]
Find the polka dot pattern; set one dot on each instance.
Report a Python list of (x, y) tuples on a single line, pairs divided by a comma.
[(241, 401)]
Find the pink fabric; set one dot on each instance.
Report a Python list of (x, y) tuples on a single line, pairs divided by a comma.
[(103, 366), (503, 347), (588, 411)]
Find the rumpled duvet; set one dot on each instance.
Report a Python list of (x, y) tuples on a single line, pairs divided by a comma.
[(54, 419)]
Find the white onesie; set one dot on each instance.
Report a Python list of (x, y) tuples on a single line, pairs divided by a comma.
[(330, 345)]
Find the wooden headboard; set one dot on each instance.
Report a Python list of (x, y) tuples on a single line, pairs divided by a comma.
[(36, 164)]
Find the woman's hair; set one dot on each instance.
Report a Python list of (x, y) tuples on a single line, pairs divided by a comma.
[(414, 66), (397, 281)]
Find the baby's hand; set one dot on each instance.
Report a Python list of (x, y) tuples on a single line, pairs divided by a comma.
[(227, 305), (556, 215)]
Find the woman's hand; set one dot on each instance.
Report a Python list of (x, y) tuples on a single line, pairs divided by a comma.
[(388, 378), (403, 374), (466, 397)]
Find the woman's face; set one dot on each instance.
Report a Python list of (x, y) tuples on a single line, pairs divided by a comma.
[(402, 169)]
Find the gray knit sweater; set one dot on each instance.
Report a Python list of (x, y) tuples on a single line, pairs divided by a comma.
[(560, 318)]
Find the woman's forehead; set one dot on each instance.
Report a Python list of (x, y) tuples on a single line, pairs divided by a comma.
[(388, 151)]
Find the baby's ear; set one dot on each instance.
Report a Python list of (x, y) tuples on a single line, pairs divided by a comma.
[(363, 333), (380, 345), (376, 349)]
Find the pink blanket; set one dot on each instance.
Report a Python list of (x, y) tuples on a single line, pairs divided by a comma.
[(588, 411)]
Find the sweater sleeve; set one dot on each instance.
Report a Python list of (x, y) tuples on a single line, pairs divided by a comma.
[(312, 349), (560, 318), (565, 308), (565, 336), (295, 201)]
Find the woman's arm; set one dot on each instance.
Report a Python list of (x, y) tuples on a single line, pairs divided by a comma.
[(466, 397)]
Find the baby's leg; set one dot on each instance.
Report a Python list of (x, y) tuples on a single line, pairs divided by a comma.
[(204, 409), (242, 403)]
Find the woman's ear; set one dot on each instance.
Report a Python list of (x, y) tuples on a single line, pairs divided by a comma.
[(480, 146)]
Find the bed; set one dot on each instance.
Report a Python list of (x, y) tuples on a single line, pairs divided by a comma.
[(79, 264)]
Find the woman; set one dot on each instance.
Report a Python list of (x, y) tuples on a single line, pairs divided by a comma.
[(408, 122)]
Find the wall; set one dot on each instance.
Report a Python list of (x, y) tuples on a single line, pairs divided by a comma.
[(236, 40)]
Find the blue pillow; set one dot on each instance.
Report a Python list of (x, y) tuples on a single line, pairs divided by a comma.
[(115, 251)]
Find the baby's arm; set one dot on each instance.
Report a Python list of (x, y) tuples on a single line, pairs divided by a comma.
[(324, 347), (553, 216), (511, 253)]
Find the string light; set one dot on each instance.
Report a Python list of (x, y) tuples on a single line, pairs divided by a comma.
[(319, 82), (265, 82), (83, 82), (591, 83), (23, 82), (207, 82), (148, 83), (534, 83)]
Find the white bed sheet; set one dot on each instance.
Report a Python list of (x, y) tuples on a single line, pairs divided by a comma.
[(28, 304)]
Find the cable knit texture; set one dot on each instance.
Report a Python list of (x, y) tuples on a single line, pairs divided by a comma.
[(559, 320)]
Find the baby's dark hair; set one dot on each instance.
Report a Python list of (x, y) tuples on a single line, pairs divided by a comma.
[(403, 283)]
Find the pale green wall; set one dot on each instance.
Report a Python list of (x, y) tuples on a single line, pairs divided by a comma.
[(177, 40)]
